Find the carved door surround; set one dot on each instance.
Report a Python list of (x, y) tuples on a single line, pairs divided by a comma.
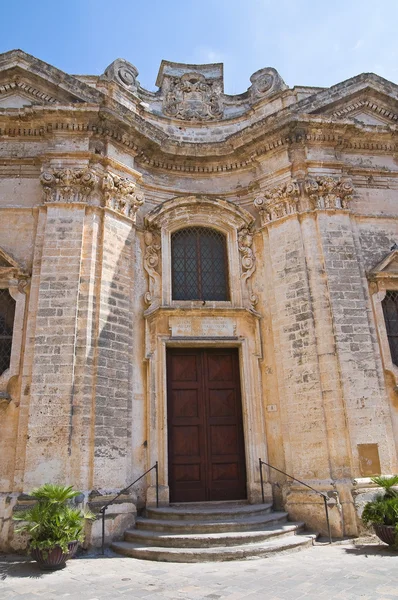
[(170, 327)]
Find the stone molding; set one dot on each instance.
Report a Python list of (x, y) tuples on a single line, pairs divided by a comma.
[(68, 186), (28, 89), (323, 193), (248, 261), (152, 265), (121, 196)]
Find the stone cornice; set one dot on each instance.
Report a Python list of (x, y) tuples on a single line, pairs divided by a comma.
[(213, 158)]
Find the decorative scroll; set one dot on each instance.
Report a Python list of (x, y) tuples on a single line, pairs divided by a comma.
[(328, 192), (248, 262), (266, 82), (278, 202), (192, 98), (123, 73), (68, 185), (121, 196), (152, 265)]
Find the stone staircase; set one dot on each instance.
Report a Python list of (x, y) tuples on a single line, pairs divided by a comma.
[(212, 531)]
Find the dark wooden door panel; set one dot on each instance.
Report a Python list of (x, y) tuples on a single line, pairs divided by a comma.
[(205, 433)]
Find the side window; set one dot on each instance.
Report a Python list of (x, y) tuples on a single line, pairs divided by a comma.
[(7, 314), (390, 310), (199, 264)]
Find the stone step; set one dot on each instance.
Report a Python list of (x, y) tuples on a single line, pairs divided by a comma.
[(208, 511), (230, 523), (209, 540), (188, 555)]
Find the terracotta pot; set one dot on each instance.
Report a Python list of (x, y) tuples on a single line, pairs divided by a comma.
[(386, 533), (53, 559)]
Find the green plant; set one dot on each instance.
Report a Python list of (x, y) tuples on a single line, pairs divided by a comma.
[(383, 510), (52, 521)]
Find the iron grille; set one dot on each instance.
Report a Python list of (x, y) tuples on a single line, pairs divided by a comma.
[(199, 264), (390, 310), (7, 313)]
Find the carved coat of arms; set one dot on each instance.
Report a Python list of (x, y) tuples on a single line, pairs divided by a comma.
[(191, 97)]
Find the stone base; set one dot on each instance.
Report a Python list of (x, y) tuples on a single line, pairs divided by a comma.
[(307, 506), (164, 495), (118, 517)]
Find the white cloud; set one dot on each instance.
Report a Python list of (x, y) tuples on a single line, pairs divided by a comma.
[(204, 54)]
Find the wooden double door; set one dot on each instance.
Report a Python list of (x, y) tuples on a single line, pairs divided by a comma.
[(205, 430)]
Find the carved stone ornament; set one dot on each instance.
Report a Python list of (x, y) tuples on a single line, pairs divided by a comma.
[(67, 185), (248, 261), (266, 82), (192, 98), (123, 73), (152, 265), (328, 192), (121, 196), (278, 202)]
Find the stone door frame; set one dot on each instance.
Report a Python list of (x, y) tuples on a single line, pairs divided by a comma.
[(249, 349)]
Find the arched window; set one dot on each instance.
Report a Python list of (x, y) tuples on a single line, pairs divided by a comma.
[(199, 264), (390, 310), (7, 314)]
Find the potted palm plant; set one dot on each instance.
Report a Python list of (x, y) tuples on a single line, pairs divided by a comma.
[(55, 527), (382, 512)]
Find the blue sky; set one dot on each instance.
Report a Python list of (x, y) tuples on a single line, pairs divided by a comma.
[(309, 42)]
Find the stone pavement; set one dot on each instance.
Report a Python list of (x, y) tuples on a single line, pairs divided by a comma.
[(345, 571)]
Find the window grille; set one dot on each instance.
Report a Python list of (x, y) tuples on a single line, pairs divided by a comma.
[(7, 313), (199, 264), (390, 310)]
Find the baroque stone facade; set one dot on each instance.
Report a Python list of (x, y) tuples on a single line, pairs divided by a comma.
[(300, 185)]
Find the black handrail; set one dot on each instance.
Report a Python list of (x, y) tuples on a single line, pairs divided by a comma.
[(103, 509), (324, 496)]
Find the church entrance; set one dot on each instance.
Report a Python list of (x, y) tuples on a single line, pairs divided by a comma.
[(205, 431)]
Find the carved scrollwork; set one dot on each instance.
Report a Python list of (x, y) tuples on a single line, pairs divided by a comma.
[(192, 98), (266, 82), (278, 202), (68, 185), (248, 262), (152, 264), (120, 195), (328, 192), (122, 72)]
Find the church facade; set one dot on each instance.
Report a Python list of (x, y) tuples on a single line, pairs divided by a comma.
[(198, 280)]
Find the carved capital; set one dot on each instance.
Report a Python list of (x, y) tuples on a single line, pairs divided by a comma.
[(121, 196), (278, 202), (248, 262), (67, 185), (328, 192), (152, 264)]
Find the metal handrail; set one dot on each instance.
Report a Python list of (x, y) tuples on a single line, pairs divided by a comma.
[(103, 509), (324, 496)]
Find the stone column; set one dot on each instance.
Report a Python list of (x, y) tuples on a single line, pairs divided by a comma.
[(304, 420), (51, 409), (112, 427)]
